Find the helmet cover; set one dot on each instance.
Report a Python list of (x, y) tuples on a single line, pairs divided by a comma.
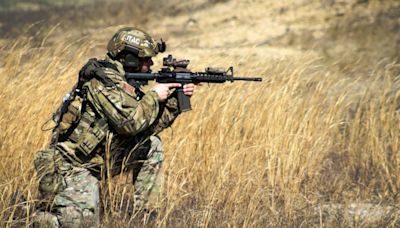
[(133, 40)]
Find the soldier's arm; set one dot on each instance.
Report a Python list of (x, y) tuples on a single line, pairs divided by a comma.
[(169, 110), (168, 113), (127, 115)]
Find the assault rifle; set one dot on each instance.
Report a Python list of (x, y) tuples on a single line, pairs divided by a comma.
[(175, 71)]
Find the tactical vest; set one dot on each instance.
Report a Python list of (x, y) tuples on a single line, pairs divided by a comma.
[(76, 119)]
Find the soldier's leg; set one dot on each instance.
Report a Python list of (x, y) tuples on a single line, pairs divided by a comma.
[(72, 192), (78, 205), (149, 180)]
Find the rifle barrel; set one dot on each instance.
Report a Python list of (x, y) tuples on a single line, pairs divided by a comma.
[(257, 79), (141, 76)]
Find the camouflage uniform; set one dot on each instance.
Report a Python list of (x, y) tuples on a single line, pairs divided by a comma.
[(114, 130)]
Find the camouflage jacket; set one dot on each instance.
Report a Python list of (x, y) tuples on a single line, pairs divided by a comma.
[(121, 109)]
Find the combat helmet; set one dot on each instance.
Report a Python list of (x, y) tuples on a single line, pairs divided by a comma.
[(136, 41)]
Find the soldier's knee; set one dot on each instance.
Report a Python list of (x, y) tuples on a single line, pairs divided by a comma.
[(77, 217), (78, 204), (156, 143), (156, 153), (46, 162), (45, 219)]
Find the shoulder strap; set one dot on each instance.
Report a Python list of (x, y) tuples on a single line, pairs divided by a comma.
[(107, 64), (93, 69)]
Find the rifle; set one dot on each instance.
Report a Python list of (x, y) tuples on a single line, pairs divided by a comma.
[(175, 71)]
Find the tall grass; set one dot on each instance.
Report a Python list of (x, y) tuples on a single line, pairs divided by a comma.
[(248, 155), (268, 153)]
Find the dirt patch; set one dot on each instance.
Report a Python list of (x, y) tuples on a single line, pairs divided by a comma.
[(71, 18)]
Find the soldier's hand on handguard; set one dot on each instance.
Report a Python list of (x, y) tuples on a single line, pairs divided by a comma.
[(188, 89)]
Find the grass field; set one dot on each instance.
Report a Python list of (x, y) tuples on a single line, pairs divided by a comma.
[(320, 132)]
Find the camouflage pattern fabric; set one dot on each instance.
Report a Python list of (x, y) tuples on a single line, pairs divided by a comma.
[(76, 203), (72, 193), (149, 180), (69, 176), (45, 219), (128, 113)]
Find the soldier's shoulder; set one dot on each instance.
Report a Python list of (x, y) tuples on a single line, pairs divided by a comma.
[(98, 73), (108, 67), (113, 70)]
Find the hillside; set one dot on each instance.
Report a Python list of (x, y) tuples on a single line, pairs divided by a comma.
[(315, 144)]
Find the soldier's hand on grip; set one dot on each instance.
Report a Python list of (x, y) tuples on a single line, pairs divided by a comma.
[(164, 90)]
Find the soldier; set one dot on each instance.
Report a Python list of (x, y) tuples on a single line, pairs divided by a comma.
[(106, 126)]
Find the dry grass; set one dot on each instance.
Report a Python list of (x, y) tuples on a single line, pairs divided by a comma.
[(248, 155)]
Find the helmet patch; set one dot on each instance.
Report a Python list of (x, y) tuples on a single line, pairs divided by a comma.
[(132, 39)]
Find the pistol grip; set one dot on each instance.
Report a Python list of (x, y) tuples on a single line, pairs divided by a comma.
[(183, 101)]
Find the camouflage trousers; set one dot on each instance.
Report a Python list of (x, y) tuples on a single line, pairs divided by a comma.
[(72, 193)]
